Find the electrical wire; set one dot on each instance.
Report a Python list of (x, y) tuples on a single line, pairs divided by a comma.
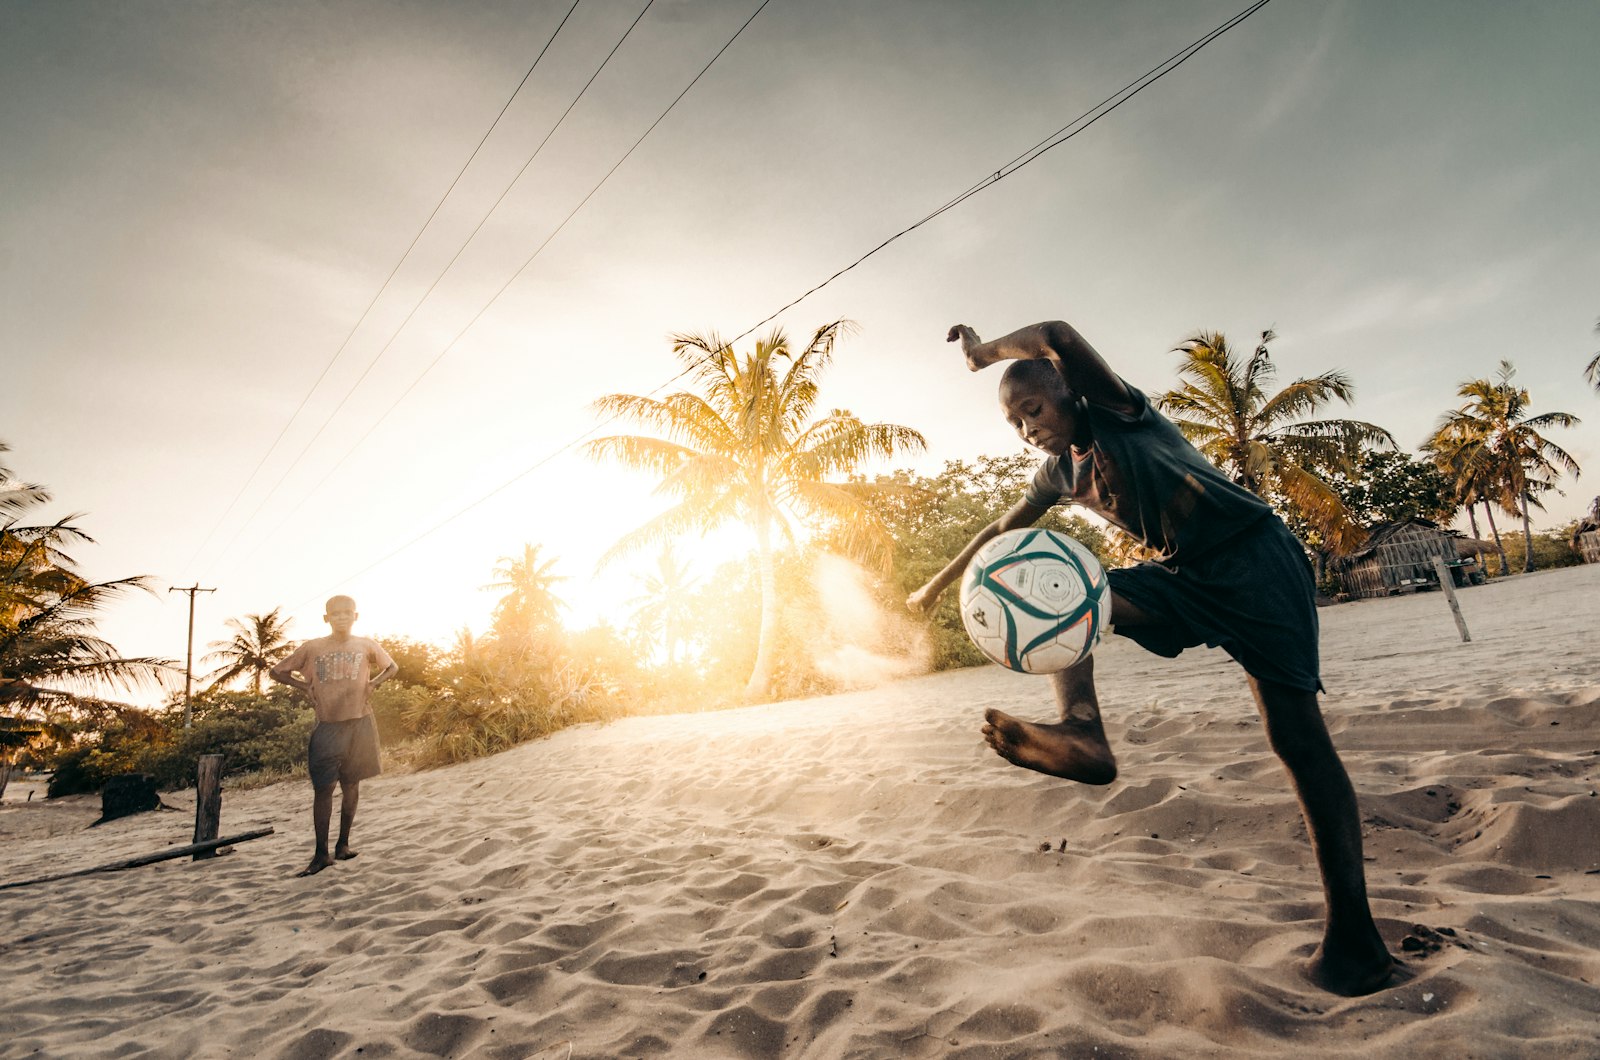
[(373, 362), (496, 297), (1049, 143), (381, 289)]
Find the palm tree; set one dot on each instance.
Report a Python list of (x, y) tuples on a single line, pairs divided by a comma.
[(259, 643), (1593, 369), (746, 449), (1459, 451), (17, 497), (530, 604), (52, 665), (1263, 441), (1494, 449), (50, 659), (663, 609)]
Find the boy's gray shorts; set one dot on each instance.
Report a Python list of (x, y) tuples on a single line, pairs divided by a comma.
[(344, 751), (1253, 597)]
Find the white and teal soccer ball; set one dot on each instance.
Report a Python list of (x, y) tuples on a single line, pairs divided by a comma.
[(1035, 601)]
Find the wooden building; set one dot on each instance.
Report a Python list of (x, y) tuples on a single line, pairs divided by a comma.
[(1588, 543), (1398, 558)]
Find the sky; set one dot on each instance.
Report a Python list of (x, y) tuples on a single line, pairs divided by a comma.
[(199, 202)]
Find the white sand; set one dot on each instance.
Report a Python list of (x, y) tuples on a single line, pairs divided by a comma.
[(858, 876)]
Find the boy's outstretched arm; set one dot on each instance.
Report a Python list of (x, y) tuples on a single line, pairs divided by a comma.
[(1020, 514), (1086, 372)]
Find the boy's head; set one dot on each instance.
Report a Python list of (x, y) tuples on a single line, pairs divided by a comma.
[(340, 613), (1038, 405)]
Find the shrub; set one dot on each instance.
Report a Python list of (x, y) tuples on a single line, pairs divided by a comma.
[(254, 732), (85, 767)]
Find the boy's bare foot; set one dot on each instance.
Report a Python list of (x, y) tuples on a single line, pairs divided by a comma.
[(1072, 749), (1352, 976), (343, 853), (318, 863)]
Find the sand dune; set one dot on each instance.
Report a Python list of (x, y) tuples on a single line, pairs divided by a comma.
[(858, 876)]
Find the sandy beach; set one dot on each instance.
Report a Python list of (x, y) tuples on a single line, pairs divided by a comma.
[(859, 876)]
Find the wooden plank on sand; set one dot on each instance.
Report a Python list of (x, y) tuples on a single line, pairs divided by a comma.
[(148, 859)]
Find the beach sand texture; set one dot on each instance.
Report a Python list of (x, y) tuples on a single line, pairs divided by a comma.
[(858, 876)]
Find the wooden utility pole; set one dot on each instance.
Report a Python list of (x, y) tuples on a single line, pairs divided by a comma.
[(188, 663)]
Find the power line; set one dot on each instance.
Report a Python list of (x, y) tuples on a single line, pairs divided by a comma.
[(381, 289), (1054, 140), (537, 250), (418, 306)]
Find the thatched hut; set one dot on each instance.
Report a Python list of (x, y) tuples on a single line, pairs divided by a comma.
[(1586, 540), (1398, 558)]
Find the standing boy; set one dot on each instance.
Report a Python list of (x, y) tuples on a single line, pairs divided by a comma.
[(336, 671), (1229, 575)]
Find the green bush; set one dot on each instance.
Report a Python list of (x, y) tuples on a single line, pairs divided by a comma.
[(254, 732), (500, 696), (395, 703), (84, 768)]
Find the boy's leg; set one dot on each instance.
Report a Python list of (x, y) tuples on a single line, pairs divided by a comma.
[(1352, 958), (321, 815), (347, 816), (1076, 746)]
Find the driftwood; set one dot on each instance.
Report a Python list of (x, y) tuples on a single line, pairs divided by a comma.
[(148, 859)]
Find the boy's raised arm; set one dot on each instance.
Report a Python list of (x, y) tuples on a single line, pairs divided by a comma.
[(1019, 515), (1086, 372)]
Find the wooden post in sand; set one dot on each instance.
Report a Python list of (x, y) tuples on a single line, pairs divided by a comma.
[(1449, 586), (207, 803)]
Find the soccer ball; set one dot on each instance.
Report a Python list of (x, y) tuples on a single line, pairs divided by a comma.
[(1035, 601)]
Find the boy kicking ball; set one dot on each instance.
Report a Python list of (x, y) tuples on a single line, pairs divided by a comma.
[(1229, 575)]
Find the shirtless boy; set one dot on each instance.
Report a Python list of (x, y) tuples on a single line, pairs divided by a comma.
[(1229, 575), (336, 671)]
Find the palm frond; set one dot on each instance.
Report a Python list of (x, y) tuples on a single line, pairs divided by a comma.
[(669, 525), (640, 453)]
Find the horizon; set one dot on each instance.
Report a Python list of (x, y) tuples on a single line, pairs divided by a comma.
[(202, 203)]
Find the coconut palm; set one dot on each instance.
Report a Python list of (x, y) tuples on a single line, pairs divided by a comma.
[(1262, 440), (1459, 450), (1593, 369), (52, 665), (50, 659), (663, 610), (17, 497), (1494, 449), (259, 643), (744, 448), (530, 604)]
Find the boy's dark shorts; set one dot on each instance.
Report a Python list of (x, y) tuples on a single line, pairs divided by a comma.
[(344, 751), (1253, 597)]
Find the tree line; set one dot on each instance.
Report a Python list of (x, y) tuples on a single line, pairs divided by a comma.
[(744, 443)]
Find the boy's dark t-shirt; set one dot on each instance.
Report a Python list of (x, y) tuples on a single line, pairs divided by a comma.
[(339, 672), (1142, 474)]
